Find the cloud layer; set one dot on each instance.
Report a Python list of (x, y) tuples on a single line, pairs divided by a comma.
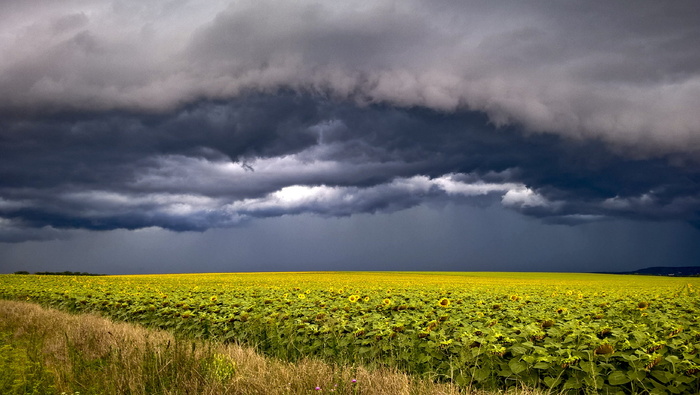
[(629, 76), (220, 164), (189, 116)]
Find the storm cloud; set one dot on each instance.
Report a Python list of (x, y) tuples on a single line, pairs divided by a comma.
[(190, 116), (221, 164), (628, 75)]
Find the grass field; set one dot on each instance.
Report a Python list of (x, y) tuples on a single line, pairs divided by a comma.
[(559, 332)]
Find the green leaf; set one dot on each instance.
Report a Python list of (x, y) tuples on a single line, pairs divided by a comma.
[(542, 365), (572, 383), (551, 382), (505, 372), (684, 379), (662, 376), (517, 366), (482, 374), (461, 380), (594, 381), (636, 374), (518, 350), (672, 359), (618, 378)]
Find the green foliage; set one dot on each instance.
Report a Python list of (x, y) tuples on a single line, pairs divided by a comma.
[(22, 370), (587, 333), (219, 367)]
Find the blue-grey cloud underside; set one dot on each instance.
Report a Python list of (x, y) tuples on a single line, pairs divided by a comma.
[(190, 116)]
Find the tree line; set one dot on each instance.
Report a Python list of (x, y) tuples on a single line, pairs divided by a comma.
[(64, 273)]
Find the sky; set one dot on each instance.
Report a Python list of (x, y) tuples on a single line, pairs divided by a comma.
[(222, 136)]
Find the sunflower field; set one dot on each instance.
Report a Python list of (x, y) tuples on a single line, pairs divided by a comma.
[(578, 333)]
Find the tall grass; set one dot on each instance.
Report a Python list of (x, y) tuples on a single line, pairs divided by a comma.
[(45, 351)]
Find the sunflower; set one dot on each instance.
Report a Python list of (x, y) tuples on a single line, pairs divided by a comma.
[(386, 302), (353, 298), (431, 325), (444, 302), (302, 296), (603, 349)]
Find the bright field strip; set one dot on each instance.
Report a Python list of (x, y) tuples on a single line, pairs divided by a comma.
[(580, 332)]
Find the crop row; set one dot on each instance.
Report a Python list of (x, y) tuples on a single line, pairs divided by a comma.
[(601, 335)]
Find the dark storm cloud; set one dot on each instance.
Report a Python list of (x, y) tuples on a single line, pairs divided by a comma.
[(189, 116), (218, 164), (626, 75)]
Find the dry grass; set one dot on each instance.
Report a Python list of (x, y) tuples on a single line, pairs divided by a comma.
[(90, 354)]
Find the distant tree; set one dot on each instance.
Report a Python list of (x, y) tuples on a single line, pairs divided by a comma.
[(22, 272), (67, 273)]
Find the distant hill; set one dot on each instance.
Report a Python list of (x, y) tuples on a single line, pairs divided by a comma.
[(678, 271)]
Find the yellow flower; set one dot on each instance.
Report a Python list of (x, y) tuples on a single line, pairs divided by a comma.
[(213, 298), (386, 302), (366, 299), (431, 325), (302, 296), (353, 298), (444, 302)]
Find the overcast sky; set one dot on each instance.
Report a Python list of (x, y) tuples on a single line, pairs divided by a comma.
[(186, 136)]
